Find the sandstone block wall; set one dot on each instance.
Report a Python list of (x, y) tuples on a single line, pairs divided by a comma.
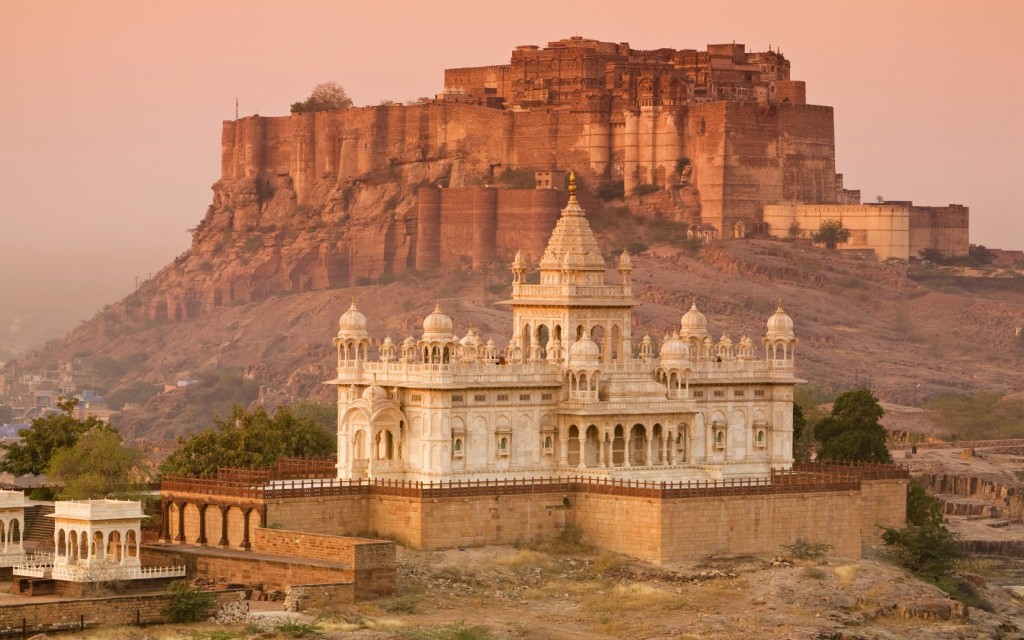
[(884, 228), (331, 515), (321, 597), (943, 229), (477, 225), (242, 569), (44, 617), (883, 503)]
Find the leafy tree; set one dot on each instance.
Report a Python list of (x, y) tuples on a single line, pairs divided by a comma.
[(98, 465), (249, 439), (831, 233), (325, 96), (47, 436), (852, 432)]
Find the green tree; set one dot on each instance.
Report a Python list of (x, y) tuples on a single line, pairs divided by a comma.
[(325, 96), (852, 432), (249, 439), (97, 466), (830, 233), (47, 436)]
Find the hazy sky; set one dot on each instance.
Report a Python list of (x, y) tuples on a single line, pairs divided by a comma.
[(111, 112)]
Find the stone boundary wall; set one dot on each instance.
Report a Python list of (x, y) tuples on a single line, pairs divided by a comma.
[(45, 617), (324, 597), (372, 562)]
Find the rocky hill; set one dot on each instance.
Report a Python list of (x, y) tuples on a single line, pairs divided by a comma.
[(859, 322)]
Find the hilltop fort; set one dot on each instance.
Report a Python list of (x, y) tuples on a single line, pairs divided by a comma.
[(720, 141)]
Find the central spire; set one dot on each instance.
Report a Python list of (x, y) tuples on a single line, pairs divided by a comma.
[(572, 238)]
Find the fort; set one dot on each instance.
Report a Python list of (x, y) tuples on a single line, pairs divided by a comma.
[(722, 140)]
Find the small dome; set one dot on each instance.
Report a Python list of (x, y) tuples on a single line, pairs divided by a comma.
[(471, 339), (780, 325), (673, 350), (585, 351), (375, 392), (437, 323), (693, 323), (746, 341), (409, 342), (725, 341), (352, 320), (387, 342), (518, 261)]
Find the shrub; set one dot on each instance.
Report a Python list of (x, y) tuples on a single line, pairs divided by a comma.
[(188, 603), (295, 628), (807, 550), (611, 190), (517, 178)]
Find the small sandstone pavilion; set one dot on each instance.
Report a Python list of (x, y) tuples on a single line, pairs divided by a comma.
[(94, 541), (571, 394)]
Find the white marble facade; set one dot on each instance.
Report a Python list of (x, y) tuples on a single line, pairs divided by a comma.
[(571, 394)]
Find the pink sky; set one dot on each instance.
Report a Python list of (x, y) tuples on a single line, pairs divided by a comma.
[(111, 113)]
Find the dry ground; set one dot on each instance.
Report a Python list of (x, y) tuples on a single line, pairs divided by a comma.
[(500, 593)]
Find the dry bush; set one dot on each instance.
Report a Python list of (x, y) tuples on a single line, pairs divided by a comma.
[(633, 598), (846, 574), (525, 559)]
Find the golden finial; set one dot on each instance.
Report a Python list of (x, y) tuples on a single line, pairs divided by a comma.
[(780, 305), (572, 186)]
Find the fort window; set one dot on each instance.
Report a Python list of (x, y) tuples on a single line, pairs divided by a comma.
[(457, 399), (739, 393), (548, 442), (502, 397), (457, 448), (503, 446), (758, 393), (719, 438), (719, 393), (760, 440), (416, 398), (698, 394), (480, 397), (524, 397), (546, 396)]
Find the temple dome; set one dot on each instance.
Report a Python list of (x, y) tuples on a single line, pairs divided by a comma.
[(673, 350), (471, 339), (585, 351), (375, 392), (352, 321), (693, 323), (437, 323), (780, 325)]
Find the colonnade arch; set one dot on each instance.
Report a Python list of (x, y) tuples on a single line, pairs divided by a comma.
[(623, 444)]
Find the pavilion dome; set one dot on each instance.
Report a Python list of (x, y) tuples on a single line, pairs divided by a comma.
[(352, 321), (780, 325), (585, 351), (693, 323), (437, 324), (375, 392), (673, 350)]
